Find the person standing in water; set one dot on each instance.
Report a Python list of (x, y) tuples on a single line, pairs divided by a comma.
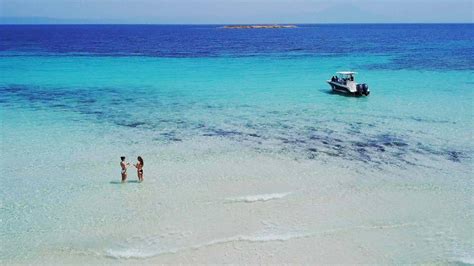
[(139, 165), (123, 165)]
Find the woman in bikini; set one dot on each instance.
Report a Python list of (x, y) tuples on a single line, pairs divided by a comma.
[(139, 166), (123, 165)]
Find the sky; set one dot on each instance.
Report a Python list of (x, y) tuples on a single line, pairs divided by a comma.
[(236, 11)]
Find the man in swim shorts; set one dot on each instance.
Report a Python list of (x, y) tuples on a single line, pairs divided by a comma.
[(123, 165)]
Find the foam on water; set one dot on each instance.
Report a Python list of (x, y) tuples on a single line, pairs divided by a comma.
[(148, 247), (261, 197), (157, 249), (465, 261)]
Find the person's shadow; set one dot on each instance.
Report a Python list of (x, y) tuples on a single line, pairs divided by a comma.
[(119, 183)]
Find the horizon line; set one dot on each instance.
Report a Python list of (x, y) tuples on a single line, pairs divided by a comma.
[(220, 24)]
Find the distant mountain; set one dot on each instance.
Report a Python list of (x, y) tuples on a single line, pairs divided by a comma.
[(47, 20)]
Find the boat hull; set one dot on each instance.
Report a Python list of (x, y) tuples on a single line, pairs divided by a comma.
[(339, 88)]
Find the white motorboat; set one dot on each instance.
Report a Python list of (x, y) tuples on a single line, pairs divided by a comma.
[(344, 82)]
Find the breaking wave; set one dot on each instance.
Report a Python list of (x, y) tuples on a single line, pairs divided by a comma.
[(158, 246), (265, 236)]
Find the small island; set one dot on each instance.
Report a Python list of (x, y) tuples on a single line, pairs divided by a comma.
[(259, 27)]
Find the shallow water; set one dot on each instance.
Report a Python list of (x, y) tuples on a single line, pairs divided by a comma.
[(247, 153)]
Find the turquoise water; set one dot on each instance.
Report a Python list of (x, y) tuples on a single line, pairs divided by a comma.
[(255, 100), (244, 152)]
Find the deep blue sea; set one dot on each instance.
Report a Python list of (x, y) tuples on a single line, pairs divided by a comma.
[(410, 46), (247, 151)]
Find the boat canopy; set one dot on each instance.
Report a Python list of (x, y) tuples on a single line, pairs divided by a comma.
[(346, 73)]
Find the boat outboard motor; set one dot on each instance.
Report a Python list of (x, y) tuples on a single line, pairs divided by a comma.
[(365, 89), (362, 89)]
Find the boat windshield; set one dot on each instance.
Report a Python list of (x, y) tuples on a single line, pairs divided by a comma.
[(346, 76)]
